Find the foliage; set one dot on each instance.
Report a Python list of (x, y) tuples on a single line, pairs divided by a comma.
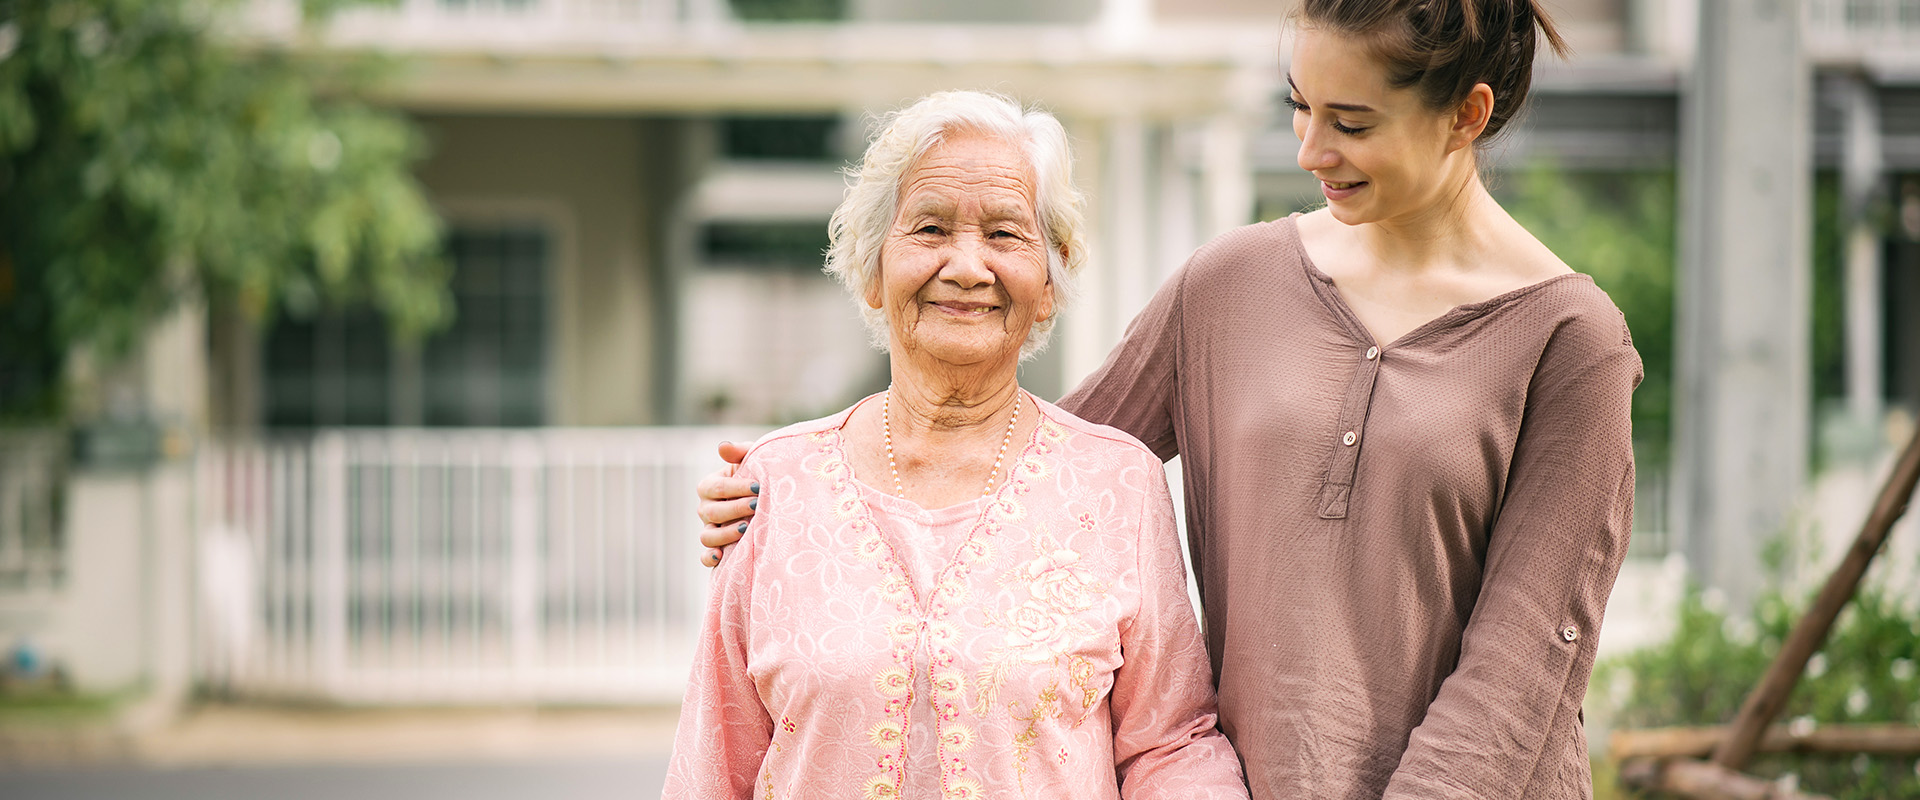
[(1829, 264), (1865, 673), (146, 159), (1618, 227)]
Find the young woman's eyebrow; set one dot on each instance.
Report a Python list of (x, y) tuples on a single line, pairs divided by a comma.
[(1353, 107)]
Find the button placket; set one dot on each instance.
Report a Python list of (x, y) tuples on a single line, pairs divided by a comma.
[(1336, 489)]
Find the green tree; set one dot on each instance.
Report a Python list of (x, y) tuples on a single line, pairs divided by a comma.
[(1618, 227), (148, 156)]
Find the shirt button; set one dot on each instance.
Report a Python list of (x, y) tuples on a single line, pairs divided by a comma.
[(1350, 438), (1373, 353), (1570, 633)]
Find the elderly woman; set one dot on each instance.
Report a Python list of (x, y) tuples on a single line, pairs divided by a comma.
[(953, 589)]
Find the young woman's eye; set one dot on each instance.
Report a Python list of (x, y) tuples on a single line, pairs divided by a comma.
[(1293, 104), (1346, 130)]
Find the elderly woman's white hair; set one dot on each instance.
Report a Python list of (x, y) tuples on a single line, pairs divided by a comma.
[(861, 222)]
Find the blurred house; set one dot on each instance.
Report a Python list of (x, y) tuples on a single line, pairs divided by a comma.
[(636, 194)]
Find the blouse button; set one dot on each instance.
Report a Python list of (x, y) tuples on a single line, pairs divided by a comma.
[(1350, 438), (1570, 633), (1373, 353)]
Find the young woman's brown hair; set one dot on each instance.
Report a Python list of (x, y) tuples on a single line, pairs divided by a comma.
[(1441, 48)]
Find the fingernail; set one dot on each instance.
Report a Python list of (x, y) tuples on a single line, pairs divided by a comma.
[(716, 559), (743, 527), (755, 488), (754, 504)]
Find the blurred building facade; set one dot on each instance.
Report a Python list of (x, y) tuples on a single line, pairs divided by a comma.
[(636, 194)]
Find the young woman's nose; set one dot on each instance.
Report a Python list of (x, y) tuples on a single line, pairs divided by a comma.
[(1314, 155)]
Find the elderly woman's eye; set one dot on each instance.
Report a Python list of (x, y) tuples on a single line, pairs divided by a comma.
[(930, 229)]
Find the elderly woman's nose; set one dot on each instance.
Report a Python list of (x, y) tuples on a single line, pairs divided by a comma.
[(966, 264)]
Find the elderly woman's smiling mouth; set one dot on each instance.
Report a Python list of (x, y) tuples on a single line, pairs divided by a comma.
[(965, 308)]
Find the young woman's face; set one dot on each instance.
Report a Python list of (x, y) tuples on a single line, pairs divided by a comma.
[(963, 270), (1379, 152)]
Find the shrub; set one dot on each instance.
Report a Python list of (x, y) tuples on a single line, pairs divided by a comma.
[(1866, 673)]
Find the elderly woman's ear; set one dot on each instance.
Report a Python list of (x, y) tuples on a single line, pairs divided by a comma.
[(874, 296)]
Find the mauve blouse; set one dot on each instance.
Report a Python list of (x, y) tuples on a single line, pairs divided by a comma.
[(1404, 549)]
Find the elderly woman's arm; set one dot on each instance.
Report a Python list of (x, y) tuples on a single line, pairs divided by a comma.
[(724, 730), (1552, 556), (1165, 743)]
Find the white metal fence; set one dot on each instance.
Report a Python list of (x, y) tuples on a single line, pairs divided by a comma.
[(33, 466), (457, 566)]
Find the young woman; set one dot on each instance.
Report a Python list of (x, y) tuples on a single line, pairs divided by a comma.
[(1404, 429)]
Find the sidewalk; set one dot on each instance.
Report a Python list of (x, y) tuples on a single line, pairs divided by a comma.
[(232, 735)]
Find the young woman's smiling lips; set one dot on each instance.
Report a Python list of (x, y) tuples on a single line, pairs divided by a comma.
[(1340, 190)]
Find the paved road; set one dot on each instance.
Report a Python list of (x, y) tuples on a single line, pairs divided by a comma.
[(595, 779)]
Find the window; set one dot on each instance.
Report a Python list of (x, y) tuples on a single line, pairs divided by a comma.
[(789, 10), (766, 245), (489, 368), (780, 138), (486, 369)]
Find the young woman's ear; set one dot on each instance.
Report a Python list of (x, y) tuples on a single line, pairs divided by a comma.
[(1471, 117)]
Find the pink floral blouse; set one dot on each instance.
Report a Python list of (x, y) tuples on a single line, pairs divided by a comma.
[(857, 645)]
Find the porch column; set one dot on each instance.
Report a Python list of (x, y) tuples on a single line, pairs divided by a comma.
[(1861, 165), (1743, 381)]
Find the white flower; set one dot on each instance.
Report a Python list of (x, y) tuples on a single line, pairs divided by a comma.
[(1740, 630), (1801, 727), (1901, 669), (1817, 666), (1857, 701), (90, 38), (323, 151)]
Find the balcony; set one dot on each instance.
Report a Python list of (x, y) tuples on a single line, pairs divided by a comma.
[(1881, 36)]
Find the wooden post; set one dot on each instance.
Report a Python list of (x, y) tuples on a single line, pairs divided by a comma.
[(1705, 780), (1763, 704), (1901, 741)]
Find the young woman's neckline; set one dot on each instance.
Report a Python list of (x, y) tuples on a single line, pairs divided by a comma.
[(1445, 320), (872, 493)]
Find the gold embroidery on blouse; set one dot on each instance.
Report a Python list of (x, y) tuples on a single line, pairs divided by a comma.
[(1044, 706), (1042, 627), (917, 626)]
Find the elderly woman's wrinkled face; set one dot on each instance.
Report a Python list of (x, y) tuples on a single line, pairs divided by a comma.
[(963, 270)]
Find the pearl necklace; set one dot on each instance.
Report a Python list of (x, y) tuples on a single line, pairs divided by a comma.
[(886, 430)]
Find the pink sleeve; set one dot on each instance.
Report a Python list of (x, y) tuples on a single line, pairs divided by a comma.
[(724, 729), (1165, 739)]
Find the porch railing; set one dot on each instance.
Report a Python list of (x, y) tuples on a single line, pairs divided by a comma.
[(459, 566), (1846, 29), (33, 465)]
